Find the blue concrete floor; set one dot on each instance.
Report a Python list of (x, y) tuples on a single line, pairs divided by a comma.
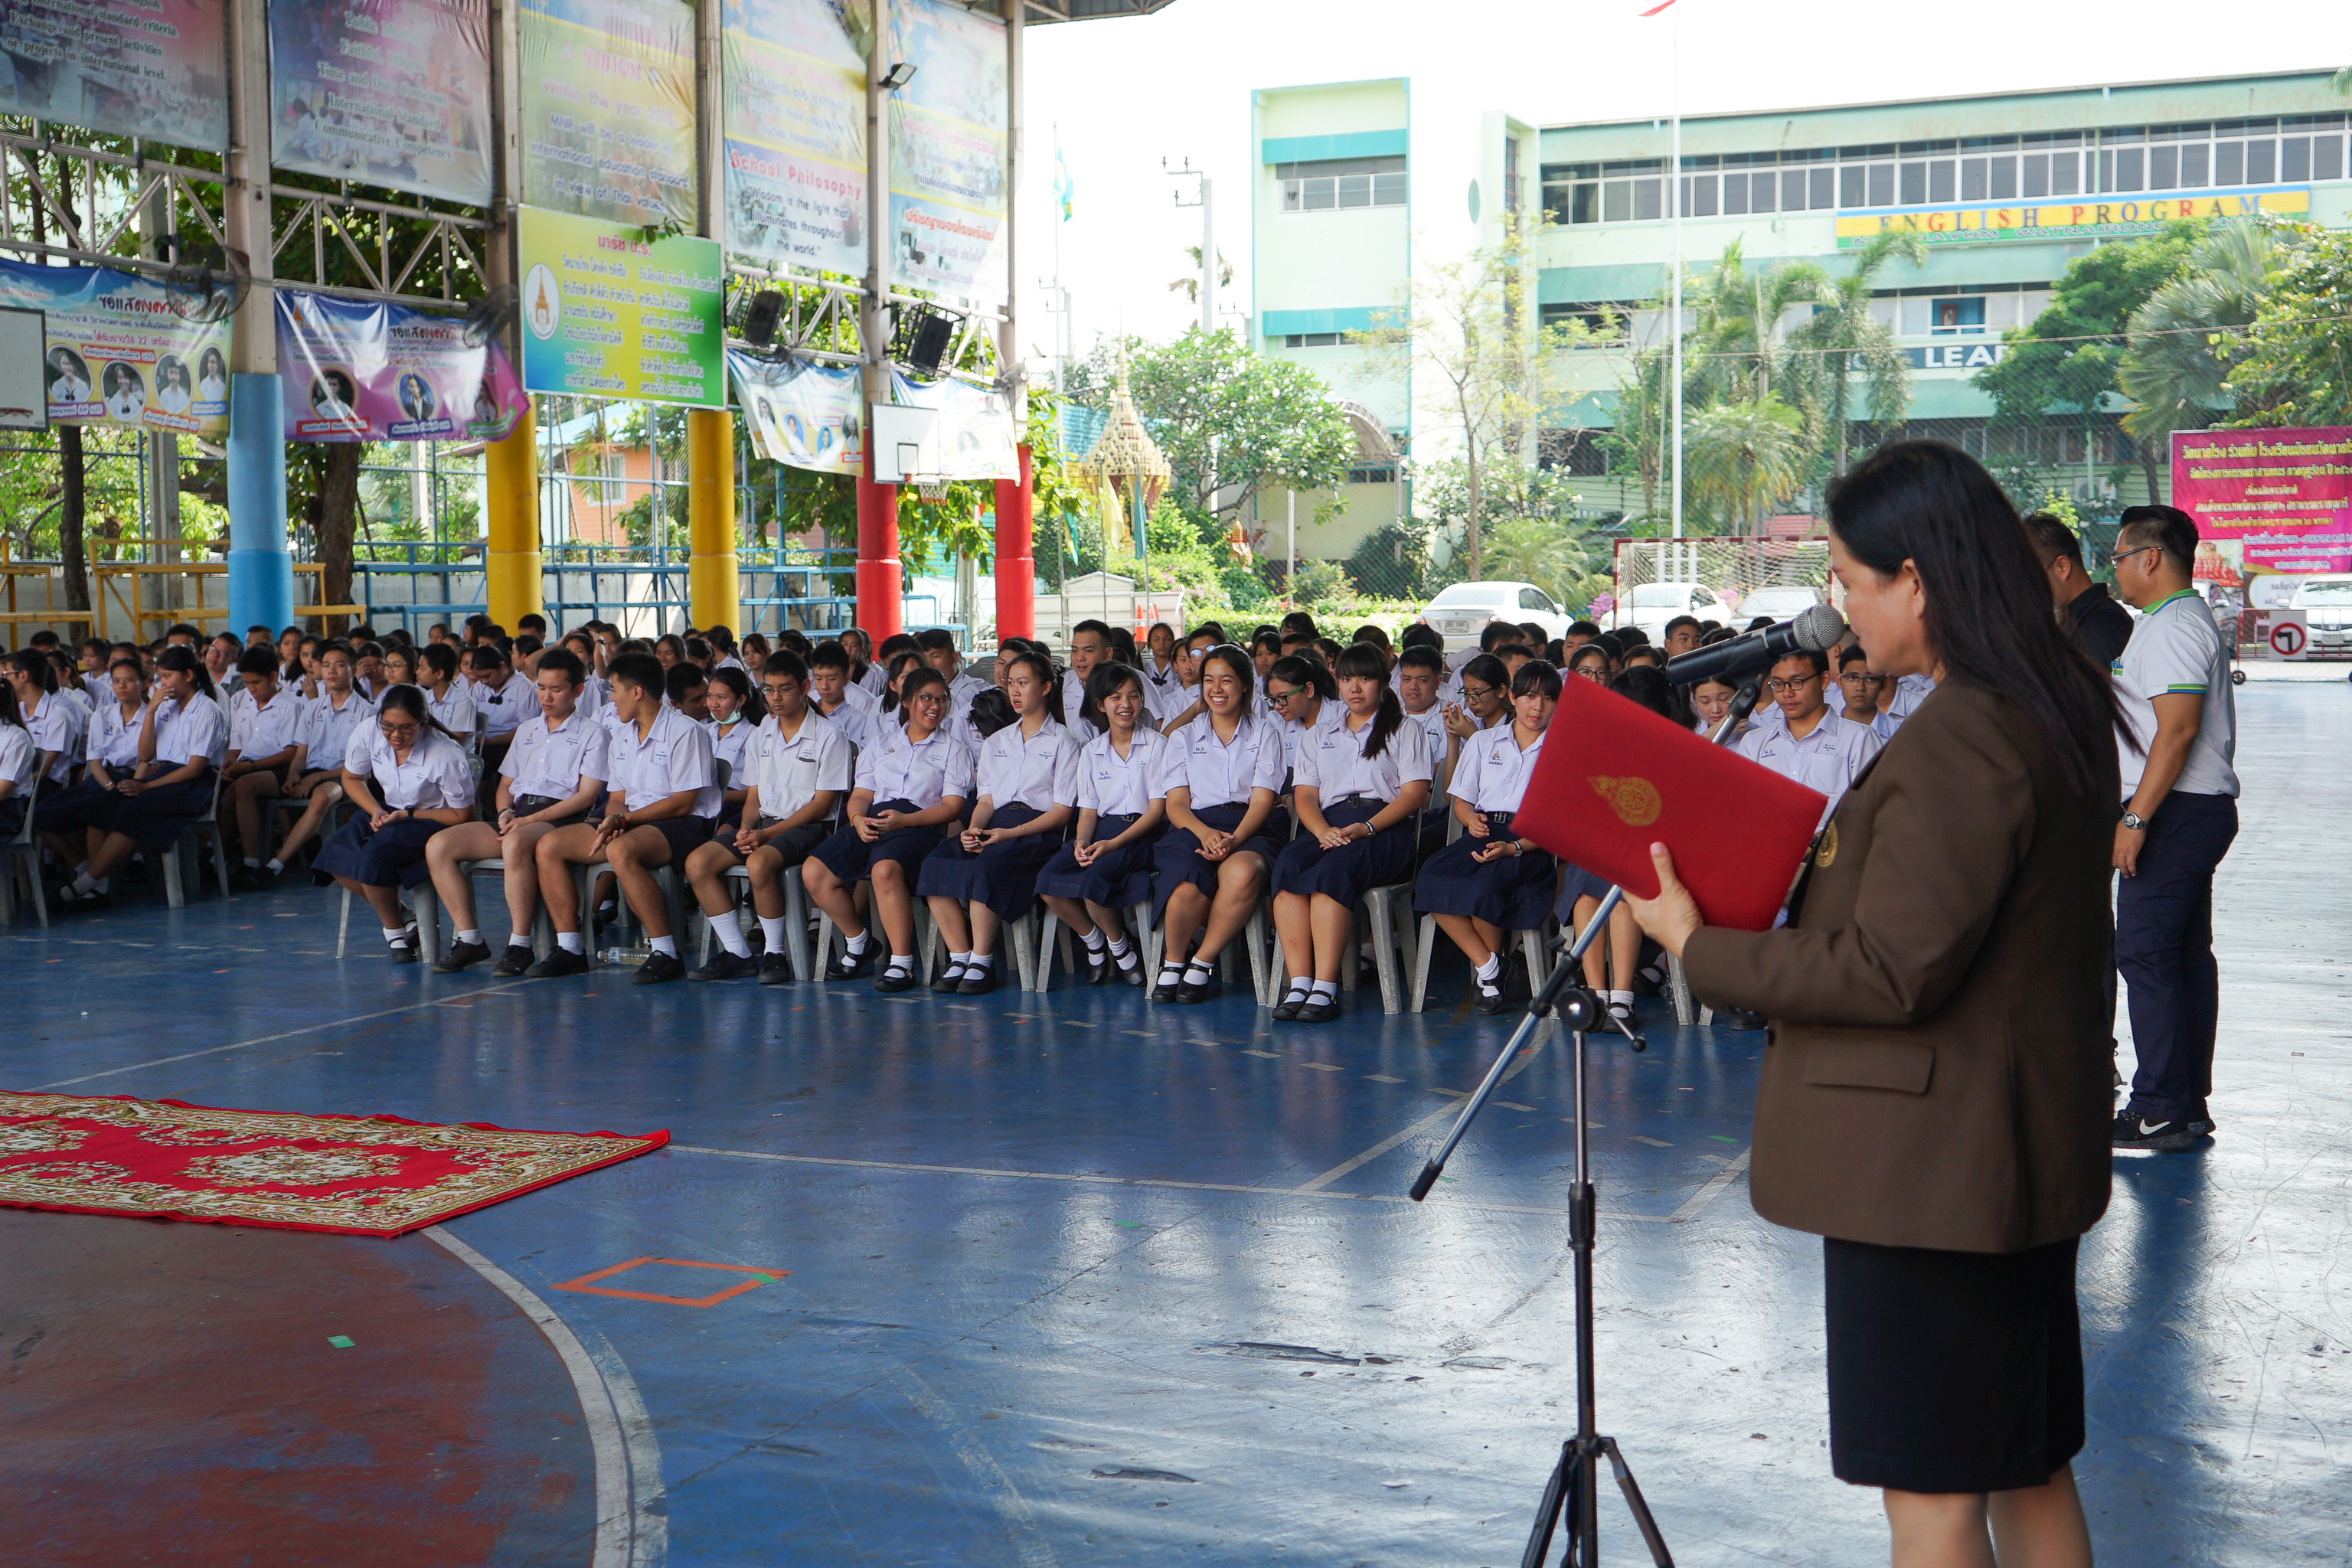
[(1044, 1255)]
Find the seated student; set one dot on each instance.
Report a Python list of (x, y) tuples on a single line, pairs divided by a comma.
[(1115, 790), (1418, 677), (20, 774), (664, 797), (796, 770), (937, 647), (1859, 689), (501, 696), (1493, 879), (1183, 700), (55, 726), (1711, 704), (315, 774), (550, 778), (1643, 655), (1591, 662), (448, 696), (912, 783), (733, 712), (113, 748), (69, 686), (1090, 645), (1160, 645), (1358, 789), (754, 650), (400, 666), (1265, 648), (1811, 744), (182, 736), (831, 694), (1303, 696), (1485, 701), (1222, 781), (367, 669), (670, 651), (410, 779), (1421, 635), (262, 748), (97, 675), (1682, 635), (1017, 823), (864, 672)]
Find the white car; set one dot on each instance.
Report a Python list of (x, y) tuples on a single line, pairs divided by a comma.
[(1779, 603), (2326, 607), (1651, 605), (1463, 610)]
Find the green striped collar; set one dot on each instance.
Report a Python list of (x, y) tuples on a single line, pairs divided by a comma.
[(2169, 599)]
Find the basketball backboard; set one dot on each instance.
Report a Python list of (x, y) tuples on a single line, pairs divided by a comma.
[(906, 444)]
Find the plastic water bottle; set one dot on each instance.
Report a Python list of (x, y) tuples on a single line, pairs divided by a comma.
[(631, 956)]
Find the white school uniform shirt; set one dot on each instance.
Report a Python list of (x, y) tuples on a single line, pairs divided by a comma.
[(790, 770), (53, 729), (237, 703), (1910, 690), (437, 774), (1333, 760), (1222, 772), (1329, 713), (506, 705), (1432, 727), (81, 701), (672, 755), (454, 711), (20, 758), (194, 729), (1828, 760), (855, 695), (1111, 785), (728, 747), (594, 696), (327, 730), (2176, 649), (1492, 773), (855, 723), (925, 772), (1171, 700), (1032, 769), (101, 688), (550, 762), (872, 681), (114, 740), (271, 727)]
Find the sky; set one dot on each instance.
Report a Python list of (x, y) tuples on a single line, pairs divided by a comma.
[(1121, 95)]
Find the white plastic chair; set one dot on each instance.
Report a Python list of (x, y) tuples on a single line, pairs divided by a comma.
[(199, 828), (27, 848), (1535, 944), (1384, 917)]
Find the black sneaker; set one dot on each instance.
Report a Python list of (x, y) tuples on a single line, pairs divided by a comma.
[(895, 980), (516, 959), (724, 965), (405, 950), (1317, 1010), (461, 955), (658, 968), (775, 969), (950, 977), (557, 964), (2138, 1133), (849, 965), (978, 981)]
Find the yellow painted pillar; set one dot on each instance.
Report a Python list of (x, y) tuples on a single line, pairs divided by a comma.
[(510, 543), (713, 589)]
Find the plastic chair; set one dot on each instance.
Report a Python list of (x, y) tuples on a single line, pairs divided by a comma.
[(796, 919), (27, 848), (1384, 917), (1536, 944), (827, 933), (198, 828)]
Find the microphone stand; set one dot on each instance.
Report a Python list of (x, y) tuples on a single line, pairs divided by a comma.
[(1574, 1487)]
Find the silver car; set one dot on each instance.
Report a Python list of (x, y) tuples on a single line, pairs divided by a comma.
[(1462, 612)]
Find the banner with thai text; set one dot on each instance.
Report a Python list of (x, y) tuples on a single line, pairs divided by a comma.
[(977, 440), (123, 351), (608, 108), (2284, 496), (2069, 218), (795, 95), (156, 69), (359, 372), (948, 134), (389, 93), (608, 313), (805, 415)]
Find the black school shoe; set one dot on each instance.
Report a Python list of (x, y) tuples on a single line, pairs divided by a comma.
[(1317, 1010), (1488, 999), (1287, 1010), (849, 965), (978, 981), (658, 968), (461, 955), (516, 959), (2136, 1132), (1191, 991), (557, 964), (403, 951), (775, 969), (724, 965), (1133, 973), (950, 977), (896, 980), (1165, 989), (1099, 966)]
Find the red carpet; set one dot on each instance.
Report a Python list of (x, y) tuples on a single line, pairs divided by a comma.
[(357, 1175)]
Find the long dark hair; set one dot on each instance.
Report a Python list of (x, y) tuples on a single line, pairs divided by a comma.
[(1313, 673), (411, 700), (185, 662), (1102, 681), (1042, 667), (1363, 661), (894, 701), (35, 666), (914, 680), (1236, 659), (1989, 616), (1649, 687), (751, 707)]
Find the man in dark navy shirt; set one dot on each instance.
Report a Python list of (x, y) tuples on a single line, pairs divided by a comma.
[(2100, 626)]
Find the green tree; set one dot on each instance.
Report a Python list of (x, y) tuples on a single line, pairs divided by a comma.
[(2190, 332), (1743, 458), (2297, 366), (1735, 312), (1842, 344)]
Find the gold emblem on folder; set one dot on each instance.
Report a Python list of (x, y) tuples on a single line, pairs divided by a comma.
[(1636, 802), (1828, 851)]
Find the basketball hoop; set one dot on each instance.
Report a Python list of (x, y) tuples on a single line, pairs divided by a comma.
[(931, 492)]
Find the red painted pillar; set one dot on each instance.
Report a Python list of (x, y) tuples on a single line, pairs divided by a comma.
[(1016, 567), (881, 597)]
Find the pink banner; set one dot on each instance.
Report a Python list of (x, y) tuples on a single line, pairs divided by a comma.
[(2285, 496), (356, 371)]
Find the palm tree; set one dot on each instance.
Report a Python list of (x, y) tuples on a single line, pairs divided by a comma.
[(1844, 341), (1558, 557), (1746, 455), (1736, 311), (2183, 342)]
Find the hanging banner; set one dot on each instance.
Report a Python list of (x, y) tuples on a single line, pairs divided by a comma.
[(948, 133), (391, 92), (2285, 496), (608, 313), (120, 352), (805, 416), (153, 69), (796, 96), (356, 371), (976, 437), (608, 108)]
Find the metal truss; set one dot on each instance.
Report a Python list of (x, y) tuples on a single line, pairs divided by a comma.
[(820, 322)]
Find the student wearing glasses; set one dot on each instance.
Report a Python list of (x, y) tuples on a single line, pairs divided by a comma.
[(1861, 688), (1811, 744), (410, 778), (1303, 698)]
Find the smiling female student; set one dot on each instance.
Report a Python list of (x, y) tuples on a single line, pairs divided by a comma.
[(1358, 788), (912, 782), (550, 778), (183, 736), (1122, 811), (1493, 879), (410, 779), (1015, 829), (316, 774), (1223, 779)]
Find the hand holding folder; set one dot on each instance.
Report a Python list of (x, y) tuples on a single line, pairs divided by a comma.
[(1615, 778)]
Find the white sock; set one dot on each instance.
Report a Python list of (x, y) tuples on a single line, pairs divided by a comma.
[(1198, 971), (902, 962), (958, 961), (980, 960), (252, 862), (82, 882), (1124, 952), (521, 939), (856, 943), (1492, 970), (569, 940), (276, 864), (728, 929), (1615, 997), (1300, 989), (670, 945), (1327, 989), (771, 931), (394, 938), (81, 867), (1172, 974), (470, 938), (1092, 936)]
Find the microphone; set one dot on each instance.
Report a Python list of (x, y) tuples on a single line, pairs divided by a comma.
[(1818, 629)]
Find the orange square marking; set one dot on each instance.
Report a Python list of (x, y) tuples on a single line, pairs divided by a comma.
[(586, 1284)]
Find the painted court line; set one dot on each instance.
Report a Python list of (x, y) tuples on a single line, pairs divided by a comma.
[(285, 1034), (1714, 1183), (1385, 1144)]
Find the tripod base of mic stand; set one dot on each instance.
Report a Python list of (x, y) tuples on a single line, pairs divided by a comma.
[(1573, 1493)]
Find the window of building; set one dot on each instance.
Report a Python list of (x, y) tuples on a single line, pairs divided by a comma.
[(1583, 453), (1607, 321), (1959, 315), (1510, 174), (1313, 340), (1333, 185)]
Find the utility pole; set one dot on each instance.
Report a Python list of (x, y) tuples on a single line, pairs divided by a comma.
[(1205, 201)]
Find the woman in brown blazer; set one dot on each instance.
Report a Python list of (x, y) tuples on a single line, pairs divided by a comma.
[(1934, 1098)]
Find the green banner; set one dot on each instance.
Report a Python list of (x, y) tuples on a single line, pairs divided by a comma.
[(607, 96), (608, 313)]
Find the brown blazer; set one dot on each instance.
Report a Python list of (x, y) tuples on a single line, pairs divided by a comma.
[(1938, 1071)]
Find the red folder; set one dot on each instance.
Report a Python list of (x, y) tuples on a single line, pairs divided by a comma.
[(1615, 778)]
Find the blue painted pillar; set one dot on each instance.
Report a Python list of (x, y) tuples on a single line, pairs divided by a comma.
[(260, 566)]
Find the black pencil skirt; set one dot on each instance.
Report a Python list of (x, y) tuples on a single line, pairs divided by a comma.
[(1952, 1372), (1002, 876)]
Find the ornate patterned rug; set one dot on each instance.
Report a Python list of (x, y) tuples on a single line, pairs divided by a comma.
[(356, 1175)]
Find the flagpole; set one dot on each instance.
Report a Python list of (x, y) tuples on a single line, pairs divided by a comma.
[(1674, 194)]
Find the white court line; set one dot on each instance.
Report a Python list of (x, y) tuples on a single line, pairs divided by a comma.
[(627, 1459), (1527, 1054), (1002, 1495), (1714, 1183), (283, 1035)]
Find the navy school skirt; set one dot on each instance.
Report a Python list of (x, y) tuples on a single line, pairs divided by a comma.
[(1513, 892), (1115, 880), (154, 819), (1002, 876), (1575, 883), (1176, 860), (85, 805), (1348, 872), (12, 819), (852, 859), (374, 860)]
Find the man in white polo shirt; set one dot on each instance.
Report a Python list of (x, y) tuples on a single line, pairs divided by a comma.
[(2179, 818)]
